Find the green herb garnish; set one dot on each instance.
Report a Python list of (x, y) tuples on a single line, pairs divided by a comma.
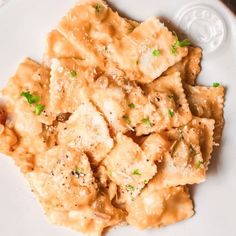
[(156, 53), (216, 84), (130, 187), (38, 109), (184, 43), (199, 163), (147, 122), (136, 172), (173, 50), (98, 7), (170, 113), (31, 99), (73, 73), (131, 105), (126, 119), (78, 171), (178, 43)]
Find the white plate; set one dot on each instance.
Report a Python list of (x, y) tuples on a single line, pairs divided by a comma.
[(23, 28)]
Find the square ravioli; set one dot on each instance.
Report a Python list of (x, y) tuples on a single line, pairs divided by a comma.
[(111, 128), (87, 130), (57, 46), (129, 166), (208, 102), (172, 109), (156, 207), (68, 84), (31, 80), (155, 145), (92, 220), (189, 67), (187, 160), (111, 100), (62, 178), (146, 52), (90, 26)]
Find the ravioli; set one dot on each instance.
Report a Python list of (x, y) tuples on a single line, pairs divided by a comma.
[(111, 127), (66, 91), (135, 51), (172, 108), (111, 101), (90, 220), (57, 46), (90, 26), (208, 102), (189, 67), (62, 178), (157, 207), (187, 160), (129, 166), (87, 130)]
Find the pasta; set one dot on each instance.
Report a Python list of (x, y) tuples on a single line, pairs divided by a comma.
[(189, 66), (111, 127), (208, 102)]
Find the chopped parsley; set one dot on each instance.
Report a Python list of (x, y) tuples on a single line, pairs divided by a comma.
[(147, 122), (173, 50), (131, 105), (170, 113), (215, 84), (98, 8), (78, 171), (156, 53), (110, 172), (73, 73), (136, 172), (145, 181), (126, 119), (199, 163), (31, 99), (178, 43), (38, 109), (184, 43), (130, 187)]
